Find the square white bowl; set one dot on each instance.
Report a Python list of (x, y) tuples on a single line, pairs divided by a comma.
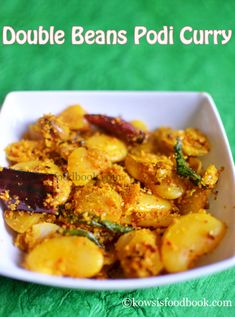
[(175, 109)]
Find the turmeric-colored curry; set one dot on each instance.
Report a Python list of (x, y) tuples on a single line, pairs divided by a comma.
[(129, 202)]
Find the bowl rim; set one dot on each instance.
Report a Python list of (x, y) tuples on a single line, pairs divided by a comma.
[(135, 283), (119, 284)]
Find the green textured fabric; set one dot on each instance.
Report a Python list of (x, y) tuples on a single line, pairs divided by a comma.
[(128, 67)]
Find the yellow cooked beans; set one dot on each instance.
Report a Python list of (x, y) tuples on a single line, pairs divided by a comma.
[(114, 149), (73, 116), (188, 238), (21, 221), (128, 202), (102, 201), (36, 234), (69, 256), (156, 173), (85, 164), (139, 254), (140, 125)]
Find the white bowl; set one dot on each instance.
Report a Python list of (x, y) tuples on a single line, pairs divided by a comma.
[(175, 109)]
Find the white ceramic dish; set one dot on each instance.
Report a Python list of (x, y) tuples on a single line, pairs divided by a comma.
[(175, 109)]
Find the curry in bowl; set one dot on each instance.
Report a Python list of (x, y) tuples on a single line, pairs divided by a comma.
[(94, 196)]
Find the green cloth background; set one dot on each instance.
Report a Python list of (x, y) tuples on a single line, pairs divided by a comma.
[(198, 68)]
